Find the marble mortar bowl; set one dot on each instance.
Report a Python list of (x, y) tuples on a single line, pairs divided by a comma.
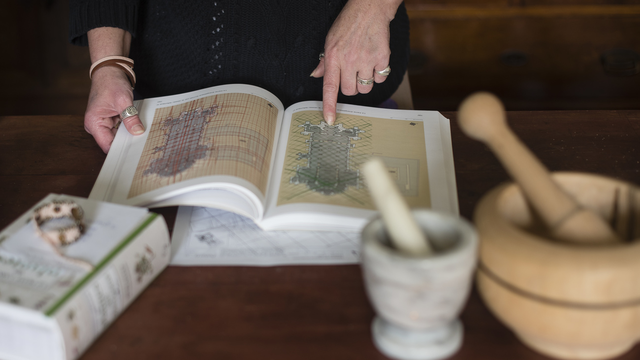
[(565, 300), (418, 298)]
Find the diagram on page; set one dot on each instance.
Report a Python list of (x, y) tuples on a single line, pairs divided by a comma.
[(208, 236), (224, 134), (322, 163)]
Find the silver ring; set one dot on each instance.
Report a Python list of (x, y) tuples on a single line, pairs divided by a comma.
[(384, 72), (365, 82), (320, 56), (128, 112)]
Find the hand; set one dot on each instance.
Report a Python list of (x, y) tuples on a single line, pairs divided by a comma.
[(357, 44), (110, 94)]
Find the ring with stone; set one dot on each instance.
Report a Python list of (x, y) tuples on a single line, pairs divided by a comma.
[(364, 82), (384, 72), (128, 112), (321, 56)]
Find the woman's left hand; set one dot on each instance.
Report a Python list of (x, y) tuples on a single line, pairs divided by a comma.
[(356, 46)]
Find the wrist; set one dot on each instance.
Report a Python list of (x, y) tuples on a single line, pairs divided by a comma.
[(123, 63), (109, 74), (108, 41), (386, 8), (390, 7)]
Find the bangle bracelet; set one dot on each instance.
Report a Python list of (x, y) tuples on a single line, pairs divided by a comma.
[(65, 235), (120, 61), (59, 209)]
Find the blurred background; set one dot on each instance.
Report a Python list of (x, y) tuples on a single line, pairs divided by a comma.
[(534, 54)]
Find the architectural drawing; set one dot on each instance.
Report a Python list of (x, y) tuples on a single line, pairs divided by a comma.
[(182, 142), (328, 169), (405, 172), (322, 162), (218, 237), (226, 134)]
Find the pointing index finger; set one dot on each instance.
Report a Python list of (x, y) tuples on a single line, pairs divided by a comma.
[(330, 88)]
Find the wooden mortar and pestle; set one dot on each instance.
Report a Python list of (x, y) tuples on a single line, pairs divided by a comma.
[(559, 263)]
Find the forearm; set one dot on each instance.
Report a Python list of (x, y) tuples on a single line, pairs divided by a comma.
[(108, 41), (386, 7)]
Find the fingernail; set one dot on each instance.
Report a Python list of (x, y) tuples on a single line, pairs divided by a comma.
[(330, 120), (137, 129), (312, 73)]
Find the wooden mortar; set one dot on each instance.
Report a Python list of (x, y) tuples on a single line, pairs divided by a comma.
[(566, 300)]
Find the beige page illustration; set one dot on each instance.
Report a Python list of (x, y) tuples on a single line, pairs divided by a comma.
[(322, 162), (225, 134)]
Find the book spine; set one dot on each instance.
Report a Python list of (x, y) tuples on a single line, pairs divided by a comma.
[(88, 311)]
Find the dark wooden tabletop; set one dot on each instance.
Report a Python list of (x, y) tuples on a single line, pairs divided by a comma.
[(294, 312)]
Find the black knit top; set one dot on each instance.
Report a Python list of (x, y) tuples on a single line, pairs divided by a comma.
[(180, 46)]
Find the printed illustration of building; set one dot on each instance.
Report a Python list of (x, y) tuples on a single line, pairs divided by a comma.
[(328, 169)]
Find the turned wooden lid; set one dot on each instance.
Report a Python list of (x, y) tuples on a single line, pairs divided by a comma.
[(515, 253)]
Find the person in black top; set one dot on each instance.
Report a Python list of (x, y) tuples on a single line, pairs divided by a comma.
[(180, 46)]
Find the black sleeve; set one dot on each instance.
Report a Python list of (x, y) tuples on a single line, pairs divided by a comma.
[(85, 15)]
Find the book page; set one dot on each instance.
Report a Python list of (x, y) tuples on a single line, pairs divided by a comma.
[(317, 177), (206, 236), (322, 162), (223, 134), (205, 139)]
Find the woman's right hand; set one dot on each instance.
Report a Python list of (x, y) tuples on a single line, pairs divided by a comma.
[(111, 90), (110, 94)]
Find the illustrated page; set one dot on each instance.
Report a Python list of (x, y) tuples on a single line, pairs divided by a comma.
[(223, 134), (206, 236), (322, 163), (316, 182), (217, 138)]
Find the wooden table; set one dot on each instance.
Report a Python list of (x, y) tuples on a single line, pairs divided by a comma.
[(293, 312)]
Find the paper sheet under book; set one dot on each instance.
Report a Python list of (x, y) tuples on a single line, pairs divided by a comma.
[(207, 236)]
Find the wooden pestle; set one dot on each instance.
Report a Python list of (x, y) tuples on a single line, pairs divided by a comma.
[(482, 117), (403, 230)]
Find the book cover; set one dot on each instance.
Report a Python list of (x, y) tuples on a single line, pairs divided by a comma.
[(55, 299)]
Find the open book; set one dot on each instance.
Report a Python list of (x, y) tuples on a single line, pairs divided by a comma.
[(235, 147)]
